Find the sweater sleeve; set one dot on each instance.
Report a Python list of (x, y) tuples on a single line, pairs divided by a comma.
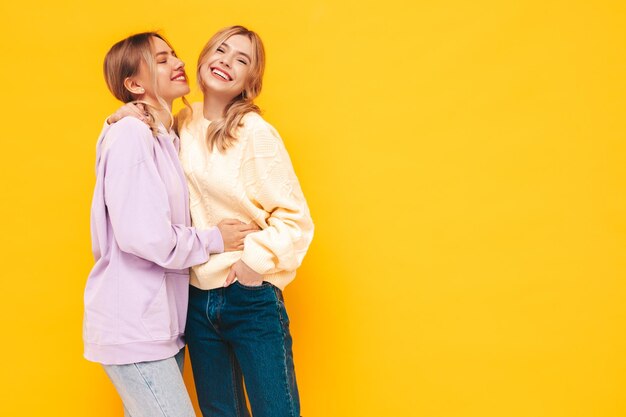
[(137, 203), (271, 184)]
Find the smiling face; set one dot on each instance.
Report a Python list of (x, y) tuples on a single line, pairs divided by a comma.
[(169, 71), (144, 67), (163, 78), (226, 70)]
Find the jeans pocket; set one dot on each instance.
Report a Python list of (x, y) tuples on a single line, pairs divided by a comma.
[(263, 286)]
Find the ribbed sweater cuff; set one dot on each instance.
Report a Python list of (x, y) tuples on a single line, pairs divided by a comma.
[(257, 261)]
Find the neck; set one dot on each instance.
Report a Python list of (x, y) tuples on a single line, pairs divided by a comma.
[(214, 105)]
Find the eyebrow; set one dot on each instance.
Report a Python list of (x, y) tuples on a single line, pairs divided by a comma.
[(164, 53), (239, 52)]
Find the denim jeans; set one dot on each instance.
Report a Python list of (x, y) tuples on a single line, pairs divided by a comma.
[(152, 389), (237, 332)]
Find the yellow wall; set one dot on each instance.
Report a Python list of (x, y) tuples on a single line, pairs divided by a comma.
[(464, 164)]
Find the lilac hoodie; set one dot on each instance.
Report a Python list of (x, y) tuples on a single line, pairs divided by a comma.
[(136, 294)]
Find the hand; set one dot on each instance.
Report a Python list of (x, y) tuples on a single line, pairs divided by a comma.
[(244, 274), (137, 110), (234, 232)]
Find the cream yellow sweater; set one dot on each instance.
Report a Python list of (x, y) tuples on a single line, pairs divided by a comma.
[(252, 181)]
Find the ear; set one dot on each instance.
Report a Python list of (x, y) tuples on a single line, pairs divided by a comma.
[(131, 85)]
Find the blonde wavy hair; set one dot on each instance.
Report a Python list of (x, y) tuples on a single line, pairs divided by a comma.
[(221, 133), (124, 60)]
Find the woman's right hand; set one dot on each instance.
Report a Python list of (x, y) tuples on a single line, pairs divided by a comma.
[(234, 232), (137, 110)]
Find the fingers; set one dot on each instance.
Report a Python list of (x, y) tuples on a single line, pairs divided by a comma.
[(230, 278), (245, 229), (139, 112), (250, 227), (231, 222), (242, 235), (241, 226), (136, 111), (129, 109), (234, 232), (141, 106)]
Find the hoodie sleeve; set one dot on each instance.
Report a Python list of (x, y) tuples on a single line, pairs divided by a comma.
[(137, 202)]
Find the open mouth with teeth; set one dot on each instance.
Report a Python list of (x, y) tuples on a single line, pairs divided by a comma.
[(180, 77), (217, 73)]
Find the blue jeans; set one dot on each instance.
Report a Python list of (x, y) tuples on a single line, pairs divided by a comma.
[(237, 332), (152, 389)]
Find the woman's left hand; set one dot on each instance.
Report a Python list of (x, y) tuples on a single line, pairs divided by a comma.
[(244, 274)]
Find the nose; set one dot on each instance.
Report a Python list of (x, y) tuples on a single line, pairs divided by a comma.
[(226, 60), (179, 64)]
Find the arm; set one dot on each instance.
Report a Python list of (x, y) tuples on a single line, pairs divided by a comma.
[(282, 244), (137, 110), (138, 205)]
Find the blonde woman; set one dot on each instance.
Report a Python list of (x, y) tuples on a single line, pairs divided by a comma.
[(136, 294), (237, 166)]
